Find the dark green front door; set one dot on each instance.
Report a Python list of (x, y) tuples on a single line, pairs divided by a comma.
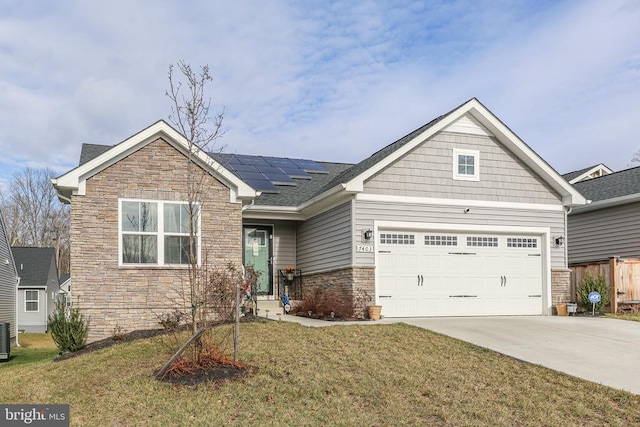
[(257, 252)]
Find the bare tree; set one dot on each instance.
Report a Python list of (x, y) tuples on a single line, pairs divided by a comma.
[(209, 287), (35, 216), (636, 157), (190, 115)]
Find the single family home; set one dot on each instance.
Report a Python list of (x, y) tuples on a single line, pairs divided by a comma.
[(604, 237), (8, 284), (39, 287), (458, 218)]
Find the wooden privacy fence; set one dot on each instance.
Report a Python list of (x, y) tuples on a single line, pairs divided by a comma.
[(622, 274)]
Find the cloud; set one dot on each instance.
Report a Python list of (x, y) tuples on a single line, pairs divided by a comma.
[(330, 81)]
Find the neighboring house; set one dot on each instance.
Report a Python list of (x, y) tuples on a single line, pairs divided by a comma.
[(65, 289), (39, 287), (607, 226), (8, 283), (459, 217), (587, 173)]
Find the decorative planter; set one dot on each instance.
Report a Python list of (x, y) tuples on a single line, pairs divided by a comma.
[(562, 309), (374, 312), (290, 276)]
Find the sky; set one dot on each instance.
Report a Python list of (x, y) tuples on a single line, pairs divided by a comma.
[(323, 80)]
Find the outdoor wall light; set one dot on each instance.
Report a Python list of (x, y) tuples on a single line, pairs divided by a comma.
[(368, 234), (559, 241)]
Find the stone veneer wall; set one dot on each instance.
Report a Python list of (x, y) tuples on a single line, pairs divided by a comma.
[(355, 283), (560, 285), (133, 298)]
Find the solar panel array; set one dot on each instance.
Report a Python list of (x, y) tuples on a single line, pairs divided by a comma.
[(267, 173)]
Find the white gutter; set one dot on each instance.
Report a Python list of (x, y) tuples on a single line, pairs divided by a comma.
[(17, 333), (607, 203)]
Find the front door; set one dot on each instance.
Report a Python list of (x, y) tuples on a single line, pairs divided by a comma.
[(257, 252)]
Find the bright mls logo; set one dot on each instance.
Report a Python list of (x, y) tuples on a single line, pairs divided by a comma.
[(36, 415)]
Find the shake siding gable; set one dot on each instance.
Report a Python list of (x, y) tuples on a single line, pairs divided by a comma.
[(133, 297), (427, 171)]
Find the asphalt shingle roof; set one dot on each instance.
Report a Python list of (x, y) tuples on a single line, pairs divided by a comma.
[(569, 176), (622, 183), (33, 265), (91, 151)]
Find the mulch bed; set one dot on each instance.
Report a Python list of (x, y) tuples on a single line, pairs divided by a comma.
[(198, 376)]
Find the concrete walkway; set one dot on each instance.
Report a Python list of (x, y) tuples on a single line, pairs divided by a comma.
[(605, 351)]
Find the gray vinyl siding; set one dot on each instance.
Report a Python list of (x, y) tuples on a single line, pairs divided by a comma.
[(427, 171), (324, 241), (604, 233), (33, 321), (284, 242), (8, 283), (367, 212)]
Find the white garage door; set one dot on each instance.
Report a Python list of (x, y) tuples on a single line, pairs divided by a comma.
[(459, 274)]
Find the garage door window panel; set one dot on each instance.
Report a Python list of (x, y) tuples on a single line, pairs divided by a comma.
[(482, 242), (397, 239), (436, 240)]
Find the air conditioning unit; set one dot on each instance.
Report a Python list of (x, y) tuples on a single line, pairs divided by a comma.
[(5, 341)]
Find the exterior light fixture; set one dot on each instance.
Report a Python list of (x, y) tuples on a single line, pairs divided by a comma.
[(559, 241), (368, 234)]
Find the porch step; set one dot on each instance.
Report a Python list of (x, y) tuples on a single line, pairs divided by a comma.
[(269, 309)]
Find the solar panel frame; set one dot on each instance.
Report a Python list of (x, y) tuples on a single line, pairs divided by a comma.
[(309, 165), (262, 185), (252, 160)]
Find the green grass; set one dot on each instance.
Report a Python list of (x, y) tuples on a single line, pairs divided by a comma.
[(33, 348), (369, 375), (624, 316)]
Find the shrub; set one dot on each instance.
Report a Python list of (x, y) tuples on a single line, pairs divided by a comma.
[(323, 302), (68, 328), (593, 284)]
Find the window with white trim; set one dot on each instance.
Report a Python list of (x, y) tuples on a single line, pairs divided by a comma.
[(397, 239), (31, 301), (482, 242), (156, 232), (436, 240), (466, 164)]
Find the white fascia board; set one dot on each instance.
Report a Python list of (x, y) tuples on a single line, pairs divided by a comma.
[(457, 202), (273, 212), (608, 203), (500, 229), (570, 196), (75, 179), (600, 166), (325, 201)]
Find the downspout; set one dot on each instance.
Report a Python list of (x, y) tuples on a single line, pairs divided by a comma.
[(17, 311)]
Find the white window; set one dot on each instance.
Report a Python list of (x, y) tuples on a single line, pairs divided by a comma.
[(466, 164), (483, 242), (397, 239), (156, 232), (31, 301), (522, 242), (436, 240)]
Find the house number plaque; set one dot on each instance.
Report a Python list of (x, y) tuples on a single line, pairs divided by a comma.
[(360, 248)]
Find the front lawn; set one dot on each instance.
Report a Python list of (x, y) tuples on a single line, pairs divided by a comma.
[(369, 375), (624, 316)]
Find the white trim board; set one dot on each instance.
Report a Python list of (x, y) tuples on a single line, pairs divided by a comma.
[(456, 202)]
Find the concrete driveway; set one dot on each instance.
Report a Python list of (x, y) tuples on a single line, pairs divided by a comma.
[(605, 351)]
